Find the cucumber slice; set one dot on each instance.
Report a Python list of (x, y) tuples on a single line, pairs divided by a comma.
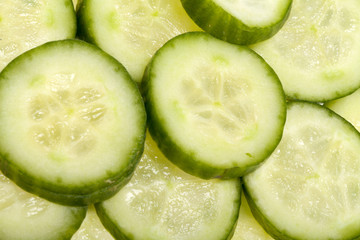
[(348, 108), (72, 123), (92, 228), (214, 108), (239, 21), (24, 216), (309, 187), (247, 227), (163, 202), (132, 31), (25, 24), (316, 53)]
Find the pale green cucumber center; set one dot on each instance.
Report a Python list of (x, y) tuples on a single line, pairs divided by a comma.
[(163, 202), (255, 13), (26, 24)]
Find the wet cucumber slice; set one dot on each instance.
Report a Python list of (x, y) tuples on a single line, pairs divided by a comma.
[(162, 202), (91, 228), (309, 187), (72, 123), (239, 21), (215, 109), (24, 216), (132, 31), (316, 52), (25, 24)]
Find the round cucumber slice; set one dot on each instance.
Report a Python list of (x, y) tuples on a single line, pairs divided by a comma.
[(215, 109), (27, 24), (132, 31), (316, 52), (162, 202), (91, 228), (309, 187), (247, 227), (26, 216), (348, 108), (239, 21), (72, 123)]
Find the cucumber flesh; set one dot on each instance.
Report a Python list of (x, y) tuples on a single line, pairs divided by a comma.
[(132, 31), (239, 21), (348, 108), (309, 187), (316, 52), (247, 227), (27, 24), (214, 108), (24, 216), (72, 123), (91, 228), (163, 202)]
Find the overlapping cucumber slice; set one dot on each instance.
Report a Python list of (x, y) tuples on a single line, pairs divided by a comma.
[(132, 31), (72, 123), (27, 24), (91, 228), (316, 52), (247, 227), (163, 202), (239, 21), (215, 109), (309, 187), (26, 216)]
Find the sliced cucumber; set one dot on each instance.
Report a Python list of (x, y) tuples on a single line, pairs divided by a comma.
[(309, 187), (132, 31), (316, 53), (348, 108), (72, 123), (24, 216), (92, 228), (25, 24), (247, 227), (239, 21), (163, 202), (214, 108)]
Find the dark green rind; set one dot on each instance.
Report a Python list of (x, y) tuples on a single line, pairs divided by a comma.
[(215, 20), (255, 210), (85, 22), (77, 195), (120, 233), (185, 160)]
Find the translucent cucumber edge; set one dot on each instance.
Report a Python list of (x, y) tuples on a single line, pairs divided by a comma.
[(186, 161), (215, 20), (120, 233), (85, 22), (254, 208), (92, 192), (79, 214)]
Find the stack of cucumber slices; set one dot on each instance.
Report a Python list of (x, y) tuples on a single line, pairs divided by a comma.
[(179, 119)]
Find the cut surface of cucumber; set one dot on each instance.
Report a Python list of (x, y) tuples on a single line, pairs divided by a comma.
[(91, 228), (26, 24), (239, 21), (132, 31), (162, 202), (309, 187), (72, 122), (215, 109), (247, 227), (316, 52), (24, 216), (348, 108)]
